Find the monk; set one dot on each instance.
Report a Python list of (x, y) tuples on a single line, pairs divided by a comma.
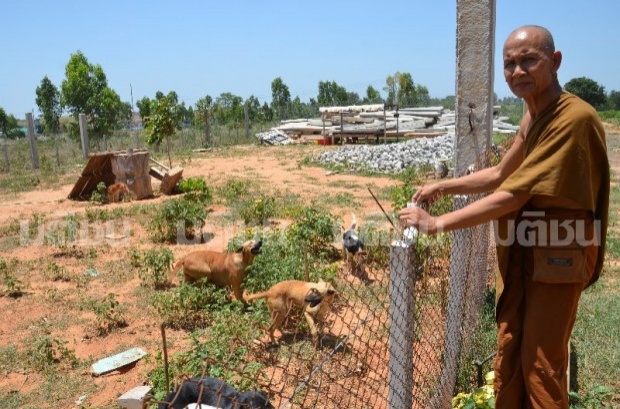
[(553, 184)]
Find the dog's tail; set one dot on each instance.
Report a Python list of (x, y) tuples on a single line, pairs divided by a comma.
[(177, 267), (251, 297), (354, 223)]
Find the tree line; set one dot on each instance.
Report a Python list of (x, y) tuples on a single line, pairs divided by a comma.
[(85, 90)]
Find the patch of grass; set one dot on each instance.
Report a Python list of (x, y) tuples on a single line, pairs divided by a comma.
[(597, 319), (46, 351), (109, 314), (338, 200)]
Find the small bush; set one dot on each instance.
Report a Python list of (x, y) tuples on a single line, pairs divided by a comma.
[(13, 287), (46, 352), (314, 227), (234, 189), (189, 306), (100, 195), (108, 314), (176, 218), (480, 398), (153, 266), (257, 210), (196, 190), (57, 272)]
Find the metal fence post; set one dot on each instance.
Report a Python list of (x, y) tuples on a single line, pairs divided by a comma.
[(402, 288)]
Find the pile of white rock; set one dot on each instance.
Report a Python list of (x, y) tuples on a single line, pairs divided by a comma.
[(391, 158)]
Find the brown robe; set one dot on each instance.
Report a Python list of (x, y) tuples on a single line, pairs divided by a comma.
[(565, 160)]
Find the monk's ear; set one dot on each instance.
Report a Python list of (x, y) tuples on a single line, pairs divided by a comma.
[(557, 60)]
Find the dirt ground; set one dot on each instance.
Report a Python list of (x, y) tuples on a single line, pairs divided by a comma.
[(33, 314), (37, 312)]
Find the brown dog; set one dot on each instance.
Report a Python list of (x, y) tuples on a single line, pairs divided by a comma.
[(221, 269), (315, 300), (117, 191)]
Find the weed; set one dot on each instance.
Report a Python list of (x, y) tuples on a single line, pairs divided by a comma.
[(234, 189), (57, 272), (257, 210), (188, 306), (100, 195), (46, 351), (176, 219), (314, 227), (108, 314), (599, 397), (154, 266), (196, 190), (13, 286)]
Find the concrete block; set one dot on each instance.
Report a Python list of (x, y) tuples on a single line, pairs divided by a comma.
[(135, 398)]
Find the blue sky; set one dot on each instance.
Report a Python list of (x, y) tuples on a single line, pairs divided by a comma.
[(199, 48)]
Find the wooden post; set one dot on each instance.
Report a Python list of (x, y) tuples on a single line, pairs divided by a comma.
[(56, 146), (401, 339), (84, 135), (384, 125), (33, 141), (7, 163), (246, 112)]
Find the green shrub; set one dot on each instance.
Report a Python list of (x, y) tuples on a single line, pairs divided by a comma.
[(45, 351), (176, 218), (196, 190), (598, 398), (100, 195), (314, 227), (108, 314), (257, 210), (189, 306), (57, 272), (480, 398), (234, 189), (13, 287), (153, 266)]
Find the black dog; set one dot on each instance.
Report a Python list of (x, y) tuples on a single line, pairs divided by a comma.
[(215, 392), (351, 240)]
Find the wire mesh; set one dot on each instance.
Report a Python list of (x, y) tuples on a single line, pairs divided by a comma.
[(397, 332)]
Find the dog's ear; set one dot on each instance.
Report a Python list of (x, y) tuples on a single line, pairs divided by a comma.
[(354, 223)]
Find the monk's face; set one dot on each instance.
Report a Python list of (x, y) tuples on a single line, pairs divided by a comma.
[(530, 68)]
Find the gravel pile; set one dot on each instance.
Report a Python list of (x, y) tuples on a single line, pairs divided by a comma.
[(391, 158)]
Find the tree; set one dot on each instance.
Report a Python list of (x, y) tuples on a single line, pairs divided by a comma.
[(144, 109), (280, 98), (8, 123), (202, 116), (48, 101), (332, 94), (228, 108), (403, 91), (161, 123), (613, 100), (85, 91), (588, 90), (372, 96)]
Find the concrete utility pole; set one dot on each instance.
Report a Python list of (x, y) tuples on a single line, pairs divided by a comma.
[(474, 128), (84, 135), (474, 80), (33, 141)]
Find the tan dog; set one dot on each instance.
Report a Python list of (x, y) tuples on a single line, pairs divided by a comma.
[(117, 191), (221, 269), (315, 300)]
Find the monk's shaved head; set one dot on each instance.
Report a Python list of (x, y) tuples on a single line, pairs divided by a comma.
[(543, 35)]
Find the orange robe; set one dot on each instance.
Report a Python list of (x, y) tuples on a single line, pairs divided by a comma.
[(565, 168)]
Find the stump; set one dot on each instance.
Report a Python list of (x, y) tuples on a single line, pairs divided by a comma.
[(130, 167)]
